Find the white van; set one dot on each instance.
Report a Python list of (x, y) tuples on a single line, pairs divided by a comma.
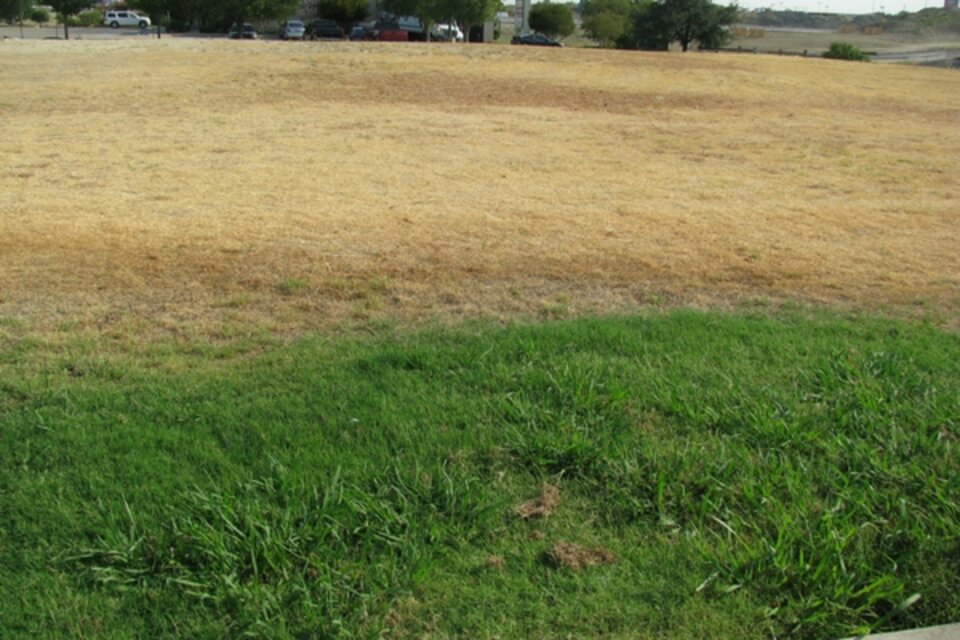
[(115, 19)]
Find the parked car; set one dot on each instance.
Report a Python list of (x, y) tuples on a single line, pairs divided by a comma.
[(292, 30), (537, 39), (324, 28), (390, 31), (448, 32), (361, 32), (116, 19), (244, 31)]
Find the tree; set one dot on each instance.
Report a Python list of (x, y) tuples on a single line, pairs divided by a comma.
[(464, 13), (215, 15), (657, 24), (429, 12), (343, 12), (67, 8), (425, 10), (11, 10), (240, 11), (468, 13), (605, 28), (606, 21), (554, 20), (650, 30), (39, 15)]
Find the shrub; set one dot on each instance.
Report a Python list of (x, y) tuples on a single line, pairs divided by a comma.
[(89, 18), (40, 15), (845, 51)]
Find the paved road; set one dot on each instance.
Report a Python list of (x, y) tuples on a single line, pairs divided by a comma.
[(946, 632), (918, 57), (76, 33)]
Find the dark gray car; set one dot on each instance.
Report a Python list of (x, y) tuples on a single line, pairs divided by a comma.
[(292, 30)]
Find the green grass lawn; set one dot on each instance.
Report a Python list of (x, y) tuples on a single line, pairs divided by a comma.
[(700, 476)]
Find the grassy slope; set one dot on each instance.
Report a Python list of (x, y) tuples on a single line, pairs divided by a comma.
[(749, 475)]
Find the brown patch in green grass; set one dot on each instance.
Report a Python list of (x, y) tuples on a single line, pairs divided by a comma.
[(541, 506), (575, 557)]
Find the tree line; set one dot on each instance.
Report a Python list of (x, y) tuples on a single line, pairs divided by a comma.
[(216, 15), (655, 25), (640, 24), (625, 24), (12, 10)]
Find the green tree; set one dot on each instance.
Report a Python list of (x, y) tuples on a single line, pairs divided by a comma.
[(429, 12), (67, 8), (464, 13), (240, 11), (181, 14), (650, 29), (554, 20), (468, 13), (606, 21), (343, 12), (12, 10), (215, 15), (606, 28), (39, 15), (657, 24)]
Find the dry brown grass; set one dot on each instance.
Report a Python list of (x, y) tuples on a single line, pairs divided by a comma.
[(542, 506), (212, 187)]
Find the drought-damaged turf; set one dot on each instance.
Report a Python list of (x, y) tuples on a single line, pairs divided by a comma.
[(206, 187), (678, 475)]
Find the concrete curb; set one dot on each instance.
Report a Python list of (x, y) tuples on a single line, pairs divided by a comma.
[(945, 632)]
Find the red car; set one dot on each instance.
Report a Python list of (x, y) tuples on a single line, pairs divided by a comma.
[(389, 32)]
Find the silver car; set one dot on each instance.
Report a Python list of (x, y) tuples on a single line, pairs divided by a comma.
[(291, 30), (116, 19)]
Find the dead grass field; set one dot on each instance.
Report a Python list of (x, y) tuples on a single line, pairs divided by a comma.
[(211, 188)]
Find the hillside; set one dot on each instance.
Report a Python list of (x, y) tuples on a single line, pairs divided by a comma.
[(280, 187), (360, 341)]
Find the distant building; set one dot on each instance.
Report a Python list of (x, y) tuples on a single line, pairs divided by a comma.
[(950, 4)]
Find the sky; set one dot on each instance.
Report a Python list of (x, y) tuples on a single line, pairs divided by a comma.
[(842, 6)]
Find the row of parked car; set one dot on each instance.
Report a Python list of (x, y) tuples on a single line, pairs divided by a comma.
[(399, 29), (402, 29), (292, 30), (395, 30)]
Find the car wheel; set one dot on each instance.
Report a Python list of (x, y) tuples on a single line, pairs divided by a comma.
[(143, 24), (114, 24)]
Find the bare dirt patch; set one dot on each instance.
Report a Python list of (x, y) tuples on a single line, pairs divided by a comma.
[(214, 189), (541, 506)]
